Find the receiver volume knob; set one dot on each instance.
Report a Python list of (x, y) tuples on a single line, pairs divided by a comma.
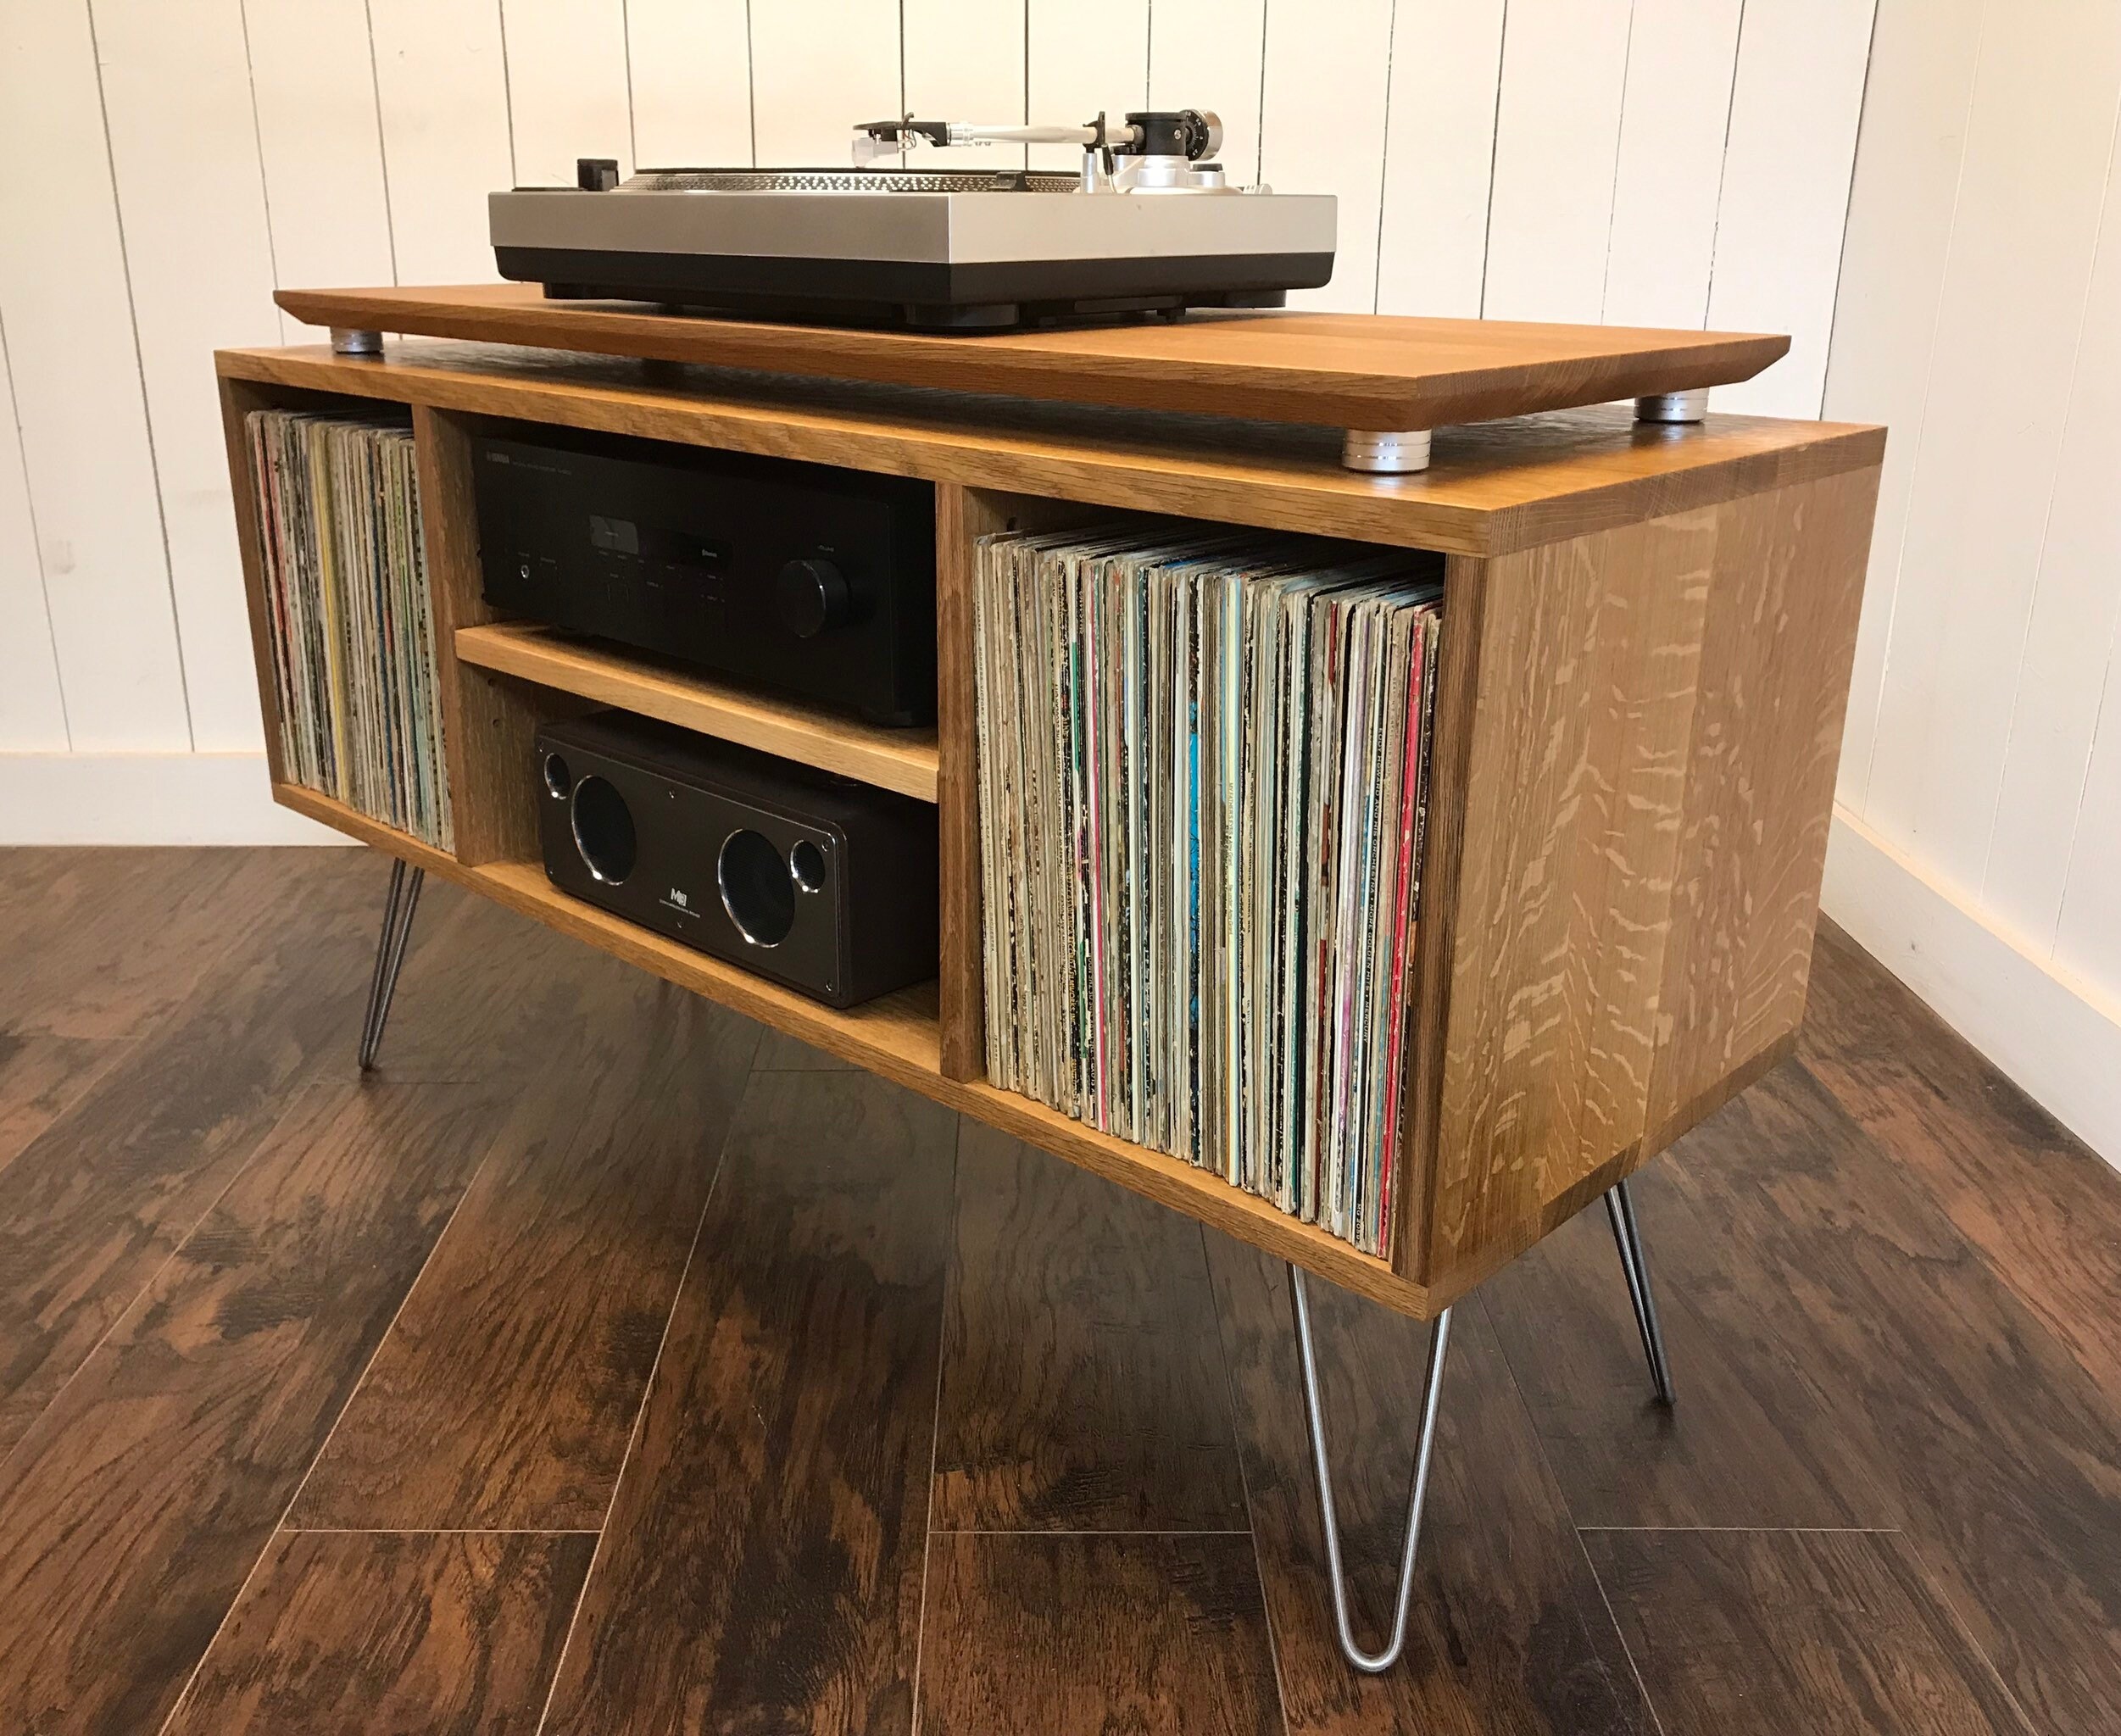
[(810, 596)]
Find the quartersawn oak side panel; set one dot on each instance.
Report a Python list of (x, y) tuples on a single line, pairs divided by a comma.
[(1644, 777), (1778, 644), (488, 722), (1573, 757)]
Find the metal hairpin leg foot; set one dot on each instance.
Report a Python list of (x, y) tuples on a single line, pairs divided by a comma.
[(398, 904), (1372, 1663), (1621, 1209)]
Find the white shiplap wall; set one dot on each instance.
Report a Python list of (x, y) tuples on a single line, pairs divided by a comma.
[(1633, 160), (1981, 317), (1656, 162)]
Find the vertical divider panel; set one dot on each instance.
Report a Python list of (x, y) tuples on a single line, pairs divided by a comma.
[(1436, 912), (239, 397), (488, 721), (962, 517)]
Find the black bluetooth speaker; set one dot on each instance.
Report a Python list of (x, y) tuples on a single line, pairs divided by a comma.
[(825, 885)]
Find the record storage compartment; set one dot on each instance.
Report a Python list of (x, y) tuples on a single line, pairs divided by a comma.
[(1637, 718)]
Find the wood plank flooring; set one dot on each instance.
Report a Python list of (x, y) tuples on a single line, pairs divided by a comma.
[(604, 1364)]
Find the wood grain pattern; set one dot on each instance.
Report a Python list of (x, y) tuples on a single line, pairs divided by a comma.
[(1029, 1634), (136, 1506), (761, 1566), (2014, 1183), (93, 1206), (505, 1394), (900, 759), (1832, 1633), (962, 517), (1767, 737), (1890, 1370), (41, 1078), (1508, 1632), (104, 944), (1493, 487), (1755, 1442), (1082, 1390), (342, 1634), (487, 722), (1345, 370), (1575, 769), (1647, 763)]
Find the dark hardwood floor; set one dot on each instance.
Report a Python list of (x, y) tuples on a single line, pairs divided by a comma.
[(602, 1363)]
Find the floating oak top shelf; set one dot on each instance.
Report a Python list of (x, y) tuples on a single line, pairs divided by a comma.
[(900, 759), (1343, 370), (1492, 489)]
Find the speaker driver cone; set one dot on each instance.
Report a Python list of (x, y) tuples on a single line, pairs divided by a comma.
[(757, 889), (604, 830)]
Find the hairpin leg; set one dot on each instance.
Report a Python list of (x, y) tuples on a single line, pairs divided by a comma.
[(1621, 1209), (1372, 1663), (398, 904)]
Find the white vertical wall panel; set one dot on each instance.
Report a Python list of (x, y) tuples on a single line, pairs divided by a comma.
[(2088, 940), (692, 82), (1085, 55), (1205, 54), (1669, 173), (1795, 110), (32, 709), (817, 67), (2016, 281), (195, 232), (313, 84), (1438, 151), (1884, 351), (1322, 128), (443, 91), (957, 74), (1564, 69), (76, 368), (2070, 637), (566, 87)]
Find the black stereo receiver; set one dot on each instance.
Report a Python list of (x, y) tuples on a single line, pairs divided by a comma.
[(817, 582), (828, 886)]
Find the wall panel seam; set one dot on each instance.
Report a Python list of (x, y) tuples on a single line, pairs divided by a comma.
[(1922, 416), (140, 371)]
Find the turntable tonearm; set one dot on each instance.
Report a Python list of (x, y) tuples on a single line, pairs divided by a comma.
[(1150, 225)]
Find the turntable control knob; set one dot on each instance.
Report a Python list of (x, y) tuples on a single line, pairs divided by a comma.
[(811, 596)]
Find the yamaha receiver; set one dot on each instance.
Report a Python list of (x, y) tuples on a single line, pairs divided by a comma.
[(814, 581)]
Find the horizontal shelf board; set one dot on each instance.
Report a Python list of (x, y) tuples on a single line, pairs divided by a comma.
[(1493, 487), (899, 759), (1343, 370), (899, 1038)]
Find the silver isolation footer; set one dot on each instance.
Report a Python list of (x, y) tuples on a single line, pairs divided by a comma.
[(1674, 406), (1382, 453), (356, 341)]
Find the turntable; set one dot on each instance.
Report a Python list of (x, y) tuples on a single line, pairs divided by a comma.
[(1151, 226)]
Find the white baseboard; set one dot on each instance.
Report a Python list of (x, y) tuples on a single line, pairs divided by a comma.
[(146, 799), (2056, 1035)]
